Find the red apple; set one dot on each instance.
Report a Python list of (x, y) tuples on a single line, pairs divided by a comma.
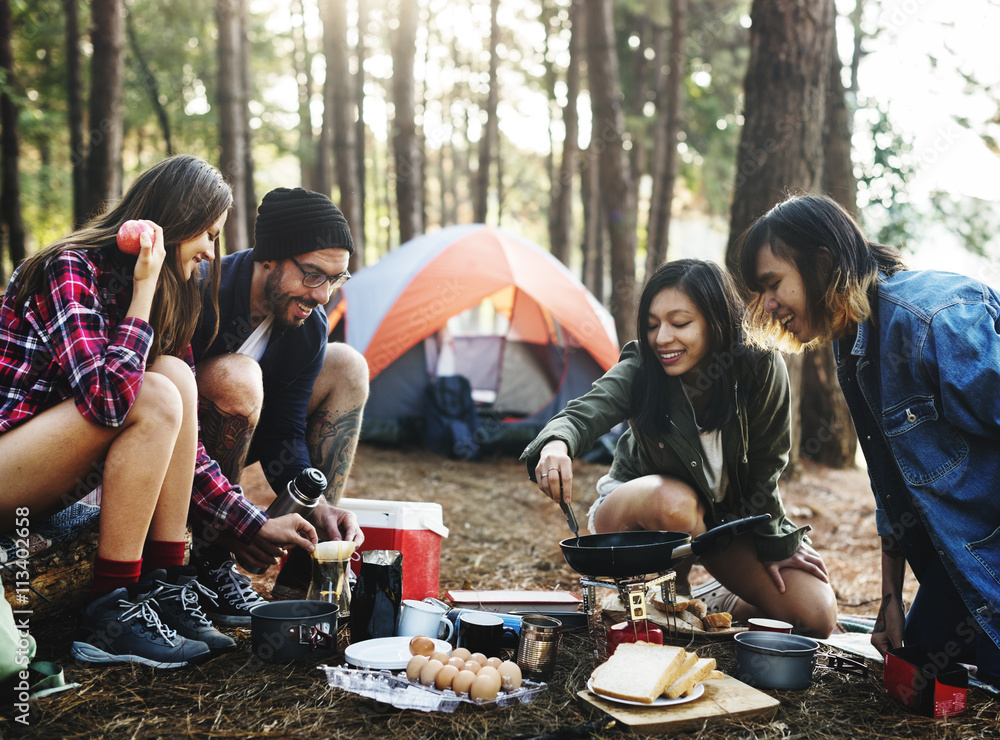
[(129, 233)]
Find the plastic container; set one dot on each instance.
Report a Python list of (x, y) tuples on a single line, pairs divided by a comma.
[(414, 528)]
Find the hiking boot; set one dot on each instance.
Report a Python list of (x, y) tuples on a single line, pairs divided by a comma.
[(180, 599), (717, 597), (113, 629), (234, 594)]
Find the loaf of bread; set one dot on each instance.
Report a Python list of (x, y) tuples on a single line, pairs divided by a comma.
[(717, 621), (638, 671), (684, 684)]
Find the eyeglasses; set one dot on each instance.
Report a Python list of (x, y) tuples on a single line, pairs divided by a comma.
[(316, 279)]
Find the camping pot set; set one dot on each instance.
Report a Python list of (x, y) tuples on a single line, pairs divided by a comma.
[(285, 631), (774, 660)]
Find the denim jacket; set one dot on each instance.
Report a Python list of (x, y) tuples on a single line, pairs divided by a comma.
[(922, 381)]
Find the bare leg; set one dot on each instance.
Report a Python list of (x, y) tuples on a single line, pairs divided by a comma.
[(56, 457), (654, 502), (169, 522), (808, 603), (334, 416), (231, 393)]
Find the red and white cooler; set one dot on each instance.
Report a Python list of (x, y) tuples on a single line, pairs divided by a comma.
[(414, 528)]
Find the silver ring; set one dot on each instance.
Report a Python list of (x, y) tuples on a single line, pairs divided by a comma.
[(545, 475), (553, 468)]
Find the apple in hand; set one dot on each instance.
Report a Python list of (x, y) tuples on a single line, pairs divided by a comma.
[(129, 233)]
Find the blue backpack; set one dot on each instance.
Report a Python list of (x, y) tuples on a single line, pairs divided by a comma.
[(450, 419)]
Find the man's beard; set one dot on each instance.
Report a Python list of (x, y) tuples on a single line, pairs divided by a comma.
[(280, 302)]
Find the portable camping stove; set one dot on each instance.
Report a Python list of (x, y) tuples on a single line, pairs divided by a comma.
[(632, 592)]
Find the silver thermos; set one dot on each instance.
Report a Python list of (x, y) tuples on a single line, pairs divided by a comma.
[(299, 497)]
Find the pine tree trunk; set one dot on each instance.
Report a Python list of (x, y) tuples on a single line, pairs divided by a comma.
[(360, 142), (406, 150), (562, 188), (487, 141), (232, 118), (617, 205), (249, 190), (10, 176), (104, 162), (781, 145), (302, 60), (341, 97), (665, 165), (74, 113)]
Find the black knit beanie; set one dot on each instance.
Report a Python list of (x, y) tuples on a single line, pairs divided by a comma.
[(293, 221)]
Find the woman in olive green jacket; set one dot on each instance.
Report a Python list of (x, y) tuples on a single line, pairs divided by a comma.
[(707, 441)]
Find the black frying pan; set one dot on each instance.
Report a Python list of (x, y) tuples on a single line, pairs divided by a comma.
[(624, 554)]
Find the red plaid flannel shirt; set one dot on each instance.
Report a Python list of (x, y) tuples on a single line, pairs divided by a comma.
[(72, 340)]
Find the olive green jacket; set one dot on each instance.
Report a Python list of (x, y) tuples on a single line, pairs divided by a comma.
[(755, 443)]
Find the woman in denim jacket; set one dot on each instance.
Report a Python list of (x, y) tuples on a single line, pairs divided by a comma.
[(708, 440), (918, 358)]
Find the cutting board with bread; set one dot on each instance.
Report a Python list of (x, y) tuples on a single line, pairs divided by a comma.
[(662, 686)]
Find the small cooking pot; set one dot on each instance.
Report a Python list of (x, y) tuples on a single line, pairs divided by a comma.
[(283, 631), (774, 660)]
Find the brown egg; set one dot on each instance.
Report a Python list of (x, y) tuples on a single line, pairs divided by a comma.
[(494, 662), (463, 682), (438, 655), (493, 673), (421, 645), (479, 657), (483, 689), (472, 665), (429, 672), (510, 676), (413, 668), (445, 676), (461, 652), (459, 663)]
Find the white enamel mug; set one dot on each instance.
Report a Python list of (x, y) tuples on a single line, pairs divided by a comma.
[(422, 618)]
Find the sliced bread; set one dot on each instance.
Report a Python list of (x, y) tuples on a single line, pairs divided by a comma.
[(686, 682), (638, 671)]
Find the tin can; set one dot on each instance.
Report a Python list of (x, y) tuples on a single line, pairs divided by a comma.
[(538, 646)]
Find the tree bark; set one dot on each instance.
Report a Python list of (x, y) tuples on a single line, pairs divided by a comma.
[(487, 141), (360, 140), (74, 104), (10, 175), (302, 58), (149, 83), (562, 189), (232, 118), (104, 162), (781, 145), (665, 164), (828, 435), (406, 150), (249, 190), (338, 77), (618, 207)]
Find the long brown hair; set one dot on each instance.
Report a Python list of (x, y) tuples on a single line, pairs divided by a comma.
[(839, 267), (185, 196)]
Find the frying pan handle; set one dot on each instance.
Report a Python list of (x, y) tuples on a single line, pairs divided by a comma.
[(724, 534)]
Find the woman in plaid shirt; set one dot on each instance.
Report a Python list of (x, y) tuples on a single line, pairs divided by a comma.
[(97, 387)]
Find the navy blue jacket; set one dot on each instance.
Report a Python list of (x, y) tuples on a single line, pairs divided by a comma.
[(290, 364)]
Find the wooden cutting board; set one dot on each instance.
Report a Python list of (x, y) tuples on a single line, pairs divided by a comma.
[(723, 697)]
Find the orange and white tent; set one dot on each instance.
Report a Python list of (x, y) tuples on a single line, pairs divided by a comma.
[(477, 301)]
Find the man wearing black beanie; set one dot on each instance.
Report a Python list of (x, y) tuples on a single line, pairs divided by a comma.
[(272, 389)]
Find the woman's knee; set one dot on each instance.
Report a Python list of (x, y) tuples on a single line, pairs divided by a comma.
[(233, 383), (678, 508), (179, 373), (159, 405), (813, 610)]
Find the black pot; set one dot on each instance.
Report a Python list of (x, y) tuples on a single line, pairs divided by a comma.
[(284, 631)]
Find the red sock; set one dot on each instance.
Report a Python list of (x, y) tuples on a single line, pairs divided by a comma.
[(112, 574), (160, 554)]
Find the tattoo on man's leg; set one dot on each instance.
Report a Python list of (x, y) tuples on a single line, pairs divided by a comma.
[(226, 437), (332, 443)]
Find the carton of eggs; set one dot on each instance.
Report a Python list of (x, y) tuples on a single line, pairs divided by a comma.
[(468, 675)]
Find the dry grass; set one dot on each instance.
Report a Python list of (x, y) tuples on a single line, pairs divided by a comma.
[(503, 535)]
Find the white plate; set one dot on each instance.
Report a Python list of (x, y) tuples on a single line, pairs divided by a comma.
[(662, 701), (390, 653)]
